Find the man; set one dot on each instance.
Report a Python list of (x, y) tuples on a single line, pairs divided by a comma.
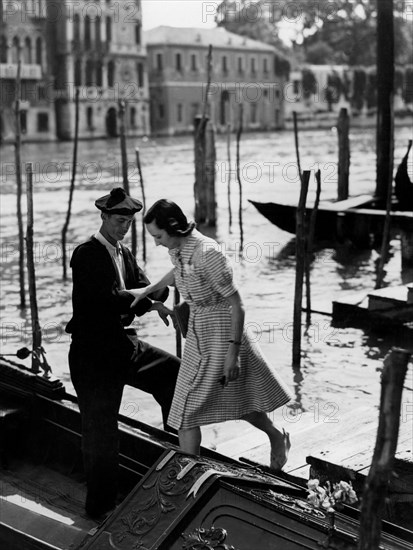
[(104, 355)]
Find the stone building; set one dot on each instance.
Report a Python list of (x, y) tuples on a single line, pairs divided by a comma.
[(97, 49), (22, 35), (244, 71)]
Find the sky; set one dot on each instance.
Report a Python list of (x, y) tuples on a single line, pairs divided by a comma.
[(179, 13)]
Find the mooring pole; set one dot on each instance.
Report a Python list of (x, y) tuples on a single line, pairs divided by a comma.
[(38, 357), (309, 247), (200, 123), (138, 165), (385, 96), (124, 156), (297, 147), (229, 175), (376, 485), (238, 171), (300, 258), (343, 127), (72, 185), (17, 155), (178, 335)]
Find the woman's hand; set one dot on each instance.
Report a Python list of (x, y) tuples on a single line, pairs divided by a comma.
[(163, 311), (232, 367), (138, 294)]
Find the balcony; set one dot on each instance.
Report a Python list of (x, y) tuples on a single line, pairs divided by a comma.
[(28, 72)]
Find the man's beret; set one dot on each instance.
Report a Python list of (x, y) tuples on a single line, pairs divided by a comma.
[(118, 202)]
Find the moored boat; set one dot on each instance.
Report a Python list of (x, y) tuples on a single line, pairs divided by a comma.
[(168, 500), (356, 219)]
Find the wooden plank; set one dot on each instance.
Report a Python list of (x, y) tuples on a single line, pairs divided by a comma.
[(351, 202)]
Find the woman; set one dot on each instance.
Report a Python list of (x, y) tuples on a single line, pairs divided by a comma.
[(223, 375)]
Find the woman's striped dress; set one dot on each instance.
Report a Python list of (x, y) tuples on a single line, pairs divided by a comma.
[(204, 279)]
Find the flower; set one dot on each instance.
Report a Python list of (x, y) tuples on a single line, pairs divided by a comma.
[(329, 497)]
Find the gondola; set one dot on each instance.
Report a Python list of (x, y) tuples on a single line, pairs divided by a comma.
[(355, 219), (168, 500), (403, 188)]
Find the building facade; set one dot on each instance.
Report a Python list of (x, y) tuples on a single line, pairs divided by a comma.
[(244, 71), (23, 30), (97, 49), (90, 46), (317, 93)]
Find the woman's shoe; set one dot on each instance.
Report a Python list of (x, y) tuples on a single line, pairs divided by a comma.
[(279, 457)]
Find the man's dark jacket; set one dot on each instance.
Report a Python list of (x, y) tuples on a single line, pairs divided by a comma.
[(100, 307)]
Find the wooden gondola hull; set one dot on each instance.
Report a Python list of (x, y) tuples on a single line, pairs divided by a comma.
[(355, 220)]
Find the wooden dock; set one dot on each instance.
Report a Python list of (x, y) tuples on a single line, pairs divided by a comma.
[(334, 447)]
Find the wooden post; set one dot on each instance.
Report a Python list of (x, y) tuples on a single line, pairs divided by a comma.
[(309, 247), (210, 160), (138, 165), (385, 93), (375, 489), (17, 156), (200, 185), (300, 241), (343, 126), (72, 185), (38, 359), (229, 175), (239, 132), (124, 156), (297, 149), (178, 335)]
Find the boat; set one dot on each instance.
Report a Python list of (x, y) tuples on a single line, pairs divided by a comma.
[(403, 187), (168, 500), (355, 219)]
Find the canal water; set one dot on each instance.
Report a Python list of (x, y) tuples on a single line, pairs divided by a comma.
[(340, 367)]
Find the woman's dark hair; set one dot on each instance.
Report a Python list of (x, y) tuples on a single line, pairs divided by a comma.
[(169, 216)]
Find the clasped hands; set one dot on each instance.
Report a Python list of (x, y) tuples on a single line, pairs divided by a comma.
[(163, 311)]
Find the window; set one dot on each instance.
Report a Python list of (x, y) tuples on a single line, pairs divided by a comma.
[(99, 74), (39, 51), (98, 36), (27, 53), (76, 28), (23, 122), (89, 76), (108, 30), (78, 72), (178, 62), (3, 50), (161, 111), (159, 61), (42, 122), (140, 75), (15, 50), (265, 65), (89, 118), (253, 112), (87, 32), (240, 66), (225, 64), (253, 65), (179, 112), (133, 117), (193, 62), (111, 74), (138, 33)]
